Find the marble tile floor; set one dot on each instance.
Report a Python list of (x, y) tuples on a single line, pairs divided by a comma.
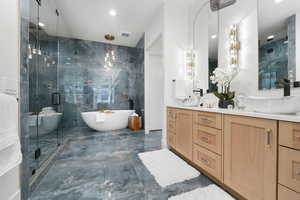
[(105, 166)]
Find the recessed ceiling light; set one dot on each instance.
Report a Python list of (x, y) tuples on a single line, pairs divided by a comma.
[(278, 1), (213, 36), (113, 13), (41, 24), (271, 37)]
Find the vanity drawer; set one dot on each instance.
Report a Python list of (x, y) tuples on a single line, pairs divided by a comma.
[(209, 161), (212, 120), (289, 134), (289, 168), (172, 126), (209, 138), (171, 113), (287, 194), (171, 139)]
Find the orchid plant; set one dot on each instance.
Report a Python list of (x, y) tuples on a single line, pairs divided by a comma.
[(223, 77)]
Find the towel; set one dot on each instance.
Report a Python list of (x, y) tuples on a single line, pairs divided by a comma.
[(10, 158), (10, 148), (100, 117)]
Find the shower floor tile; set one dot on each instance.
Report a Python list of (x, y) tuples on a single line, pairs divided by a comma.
[(106, 166)]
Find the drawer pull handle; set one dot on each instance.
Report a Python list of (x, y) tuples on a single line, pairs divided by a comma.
[(297, 173), (206, 120), (205, 161), (205, 139), (297, 137), (269, 133)]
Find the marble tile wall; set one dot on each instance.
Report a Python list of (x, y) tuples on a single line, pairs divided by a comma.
[(292, 46), (273, 63), (24, 97), (43, 73), (140, 81), (85, 84), (277, 59)]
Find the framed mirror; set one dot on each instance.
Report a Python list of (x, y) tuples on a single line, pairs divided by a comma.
[(279, 39)]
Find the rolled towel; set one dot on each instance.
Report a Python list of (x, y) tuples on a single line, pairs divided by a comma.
[(8, 113), (100, 117), (10, 149), (10, 158)]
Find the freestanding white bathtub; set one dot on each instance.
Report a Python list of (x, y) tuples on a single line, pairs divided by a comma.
[(117, 120)]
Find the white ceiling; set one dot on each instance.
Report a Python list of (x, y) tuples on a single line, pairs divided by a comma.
[(273, 17), (90, 19)]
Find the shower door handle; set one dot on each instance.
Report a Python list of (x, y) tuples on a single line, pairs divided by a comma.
[(56, 99)]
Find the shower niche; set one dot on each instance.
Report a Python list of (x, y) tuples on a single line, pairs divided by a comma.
[(44, 121)]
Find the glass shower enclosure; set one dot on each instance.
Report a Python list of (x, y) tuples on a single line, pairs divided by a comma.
[(46, 133)]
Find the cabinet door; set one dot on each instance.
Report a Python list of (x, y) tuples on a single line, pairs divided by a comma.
[(250, 152), (171, 121), (184, 132)]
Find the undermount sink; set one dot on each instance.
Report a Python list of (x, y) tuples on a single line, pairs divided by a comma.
[(271, 105), (190, 102)]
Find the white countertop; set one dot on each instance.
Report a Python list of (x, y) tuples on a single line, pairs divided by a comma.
[(281, 117)]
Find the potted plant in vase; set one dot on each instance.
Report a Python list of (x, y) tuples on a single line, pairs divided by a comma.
[(223, 77)]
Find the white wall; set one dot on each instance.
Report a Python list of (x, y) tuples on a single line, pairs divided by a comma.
[(244, 13), (153, 34), (9, 42), (9, 68), (155, 29), (199, 16), (176, 39), (156, 92)]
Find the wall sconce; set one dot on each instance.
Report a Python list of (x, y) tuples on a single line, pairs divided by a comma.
[(189, 62), (235, 45)]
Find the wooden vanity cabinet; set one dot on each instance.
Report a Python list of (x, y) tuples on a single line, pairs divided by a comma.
[(171, 127), (184, 133), (289, 161), (257, 159), (180, 130), (208, 143), (250, 156), (285, 193)]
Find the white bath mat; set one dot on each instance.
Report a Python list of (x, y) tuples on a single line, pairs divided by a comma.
[(211, 192), (167, 168)]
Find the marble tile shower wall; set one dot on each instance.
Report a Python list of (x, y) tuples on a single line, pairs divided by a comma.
[(24, 97), (273, 63), (85, 84), (292, 45), (43, 73), (277, 59), (139, 83)]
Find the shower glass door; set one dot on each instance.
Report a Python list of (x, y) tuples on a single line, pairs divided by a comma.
[(33, 58), (46, 129), (48, 117)]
